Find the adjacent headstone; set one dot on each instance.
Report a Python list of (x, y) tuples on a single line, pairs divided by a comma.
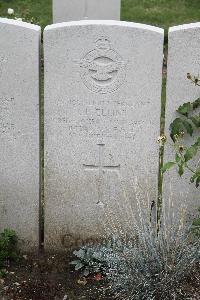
[(183, 58), (19, 130), (102, 110), (75, 10)]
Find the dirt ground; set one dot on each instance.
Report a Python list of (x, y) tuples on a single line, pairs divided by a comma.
[(48, 278), (52, 278)]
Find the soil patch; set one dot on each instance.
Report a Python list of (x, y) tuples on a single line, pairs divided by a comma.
[(50, 277)]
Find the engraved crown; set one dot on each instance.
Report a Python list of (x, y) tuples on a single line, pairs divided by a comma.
[(103, 44)]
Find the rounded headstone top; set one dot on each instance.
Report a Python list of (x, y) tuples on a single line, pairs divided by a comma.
[(184, 27), (105, 23), (20, 24)]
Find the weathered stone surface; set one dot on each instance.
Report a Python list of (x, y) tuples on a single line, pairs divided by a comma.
[(75, 10), (102, 111), (19, 130), (183, 57)]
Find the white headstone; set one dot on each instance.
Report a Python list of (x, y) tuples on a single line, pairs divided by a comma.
[(19, 130), (183, 58), (75, 10), (102, 111)]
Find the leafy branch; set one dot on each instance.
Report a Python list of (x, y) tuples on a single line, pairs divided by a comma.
[(187, 124)]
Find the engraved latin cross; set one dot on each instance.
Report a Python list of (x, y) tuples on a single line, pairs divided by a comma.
[(101, 167)]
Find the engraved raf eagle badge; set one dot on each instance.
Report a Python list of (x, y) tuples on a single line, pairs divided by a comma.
[(103, 69)]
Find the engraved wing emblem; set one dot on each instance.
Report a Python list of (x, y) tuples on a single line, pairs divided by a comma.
[(102, 72)]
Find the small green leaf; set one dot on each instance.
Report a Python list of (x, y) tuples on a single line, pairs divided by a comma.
[(192, 179), (188, 127), (196, 104), (176, 127), (178, 158), (79, 266), (195, 120), (86, 272), (80, 253), (198, 181), (197, 143), (167, 166), (190, 153), (185, 109), (181, 170)]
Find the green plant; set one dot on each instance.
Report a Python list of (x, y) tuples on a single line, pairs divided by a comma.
[(187, 123), (24, 16), (8, 248), (139, 263), (151, 268), (99, 258)]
